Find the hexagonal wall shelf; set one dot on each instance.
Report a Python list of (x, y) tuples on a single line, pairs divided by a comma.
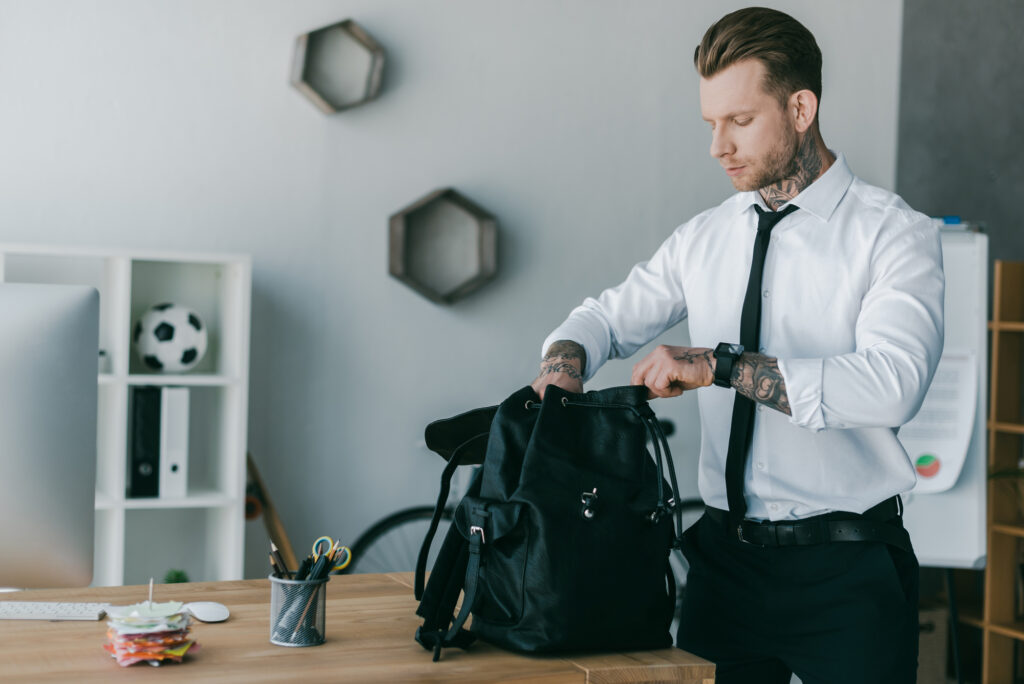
[(338, 66), (444, 246)]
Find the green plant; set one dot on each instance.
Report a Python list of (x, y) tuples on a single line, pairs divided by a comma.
[(175, 576)]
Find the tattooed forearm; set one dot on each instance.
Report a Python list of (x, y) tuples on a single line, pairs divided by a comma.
[(565, 351), (560, 367), (693, 356), (805, 168), (758, 377)]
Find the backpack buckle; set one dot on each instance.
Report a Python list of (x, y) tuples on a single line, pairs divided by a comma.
[(655, 516), (589, 504), (476, 529)]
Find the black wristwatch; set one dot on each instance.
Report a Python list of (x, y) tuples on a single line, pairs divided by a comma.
[(726, 356)]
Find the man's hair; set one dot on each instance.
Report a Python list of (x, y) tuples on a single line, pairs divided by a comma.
[(784, 45)]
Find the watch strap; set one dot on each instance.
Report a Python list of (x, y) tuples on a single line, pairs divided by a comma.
[(726, 356)]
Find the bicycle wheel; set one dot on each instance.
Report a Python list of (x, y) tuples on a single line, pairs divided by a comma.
[(392, 544)]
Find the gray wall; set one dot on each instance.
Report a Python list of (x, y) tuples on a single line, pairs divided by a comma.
[(170, 124), (961, 130)]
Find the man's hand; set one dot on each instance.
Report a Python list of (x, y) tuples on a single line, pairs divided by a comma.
[(563, 366), (669, 371)]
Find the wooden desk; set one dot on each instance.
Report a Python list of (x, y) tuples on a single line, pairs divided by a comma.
[(370, 625)]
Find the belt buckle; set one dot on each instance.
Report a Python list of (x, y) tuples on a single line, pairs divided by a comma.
[(739, 535)]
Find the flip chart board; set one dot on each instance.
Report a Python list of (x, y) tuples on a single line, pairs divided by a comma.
[(945, 513)]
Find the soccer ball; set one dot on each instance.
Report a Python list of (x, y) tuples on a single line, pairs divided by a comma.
[(170, 338)]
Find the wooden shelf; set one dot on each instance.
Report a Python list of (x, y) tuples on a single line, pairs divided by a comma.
[(1010, 428), (1004, 538), (338, 66), (1009, 529), (183, 380), (443, 246), (971, 616), (1006, 326), (200, 499), (1014, 630), (139, 538)]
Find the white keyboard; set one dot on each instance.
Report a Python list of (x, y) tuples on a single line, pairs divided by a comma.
[(51, 610)]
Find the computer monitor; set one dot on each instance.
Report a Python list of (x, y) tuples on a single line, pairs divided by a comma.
[(49, 339)]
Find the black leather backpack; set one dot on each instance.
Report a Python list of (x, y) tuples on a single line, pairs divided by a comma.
[(562, 542)]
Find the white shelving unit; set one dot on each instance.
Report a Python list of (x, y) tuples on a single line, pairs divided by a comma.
[(203, 532)]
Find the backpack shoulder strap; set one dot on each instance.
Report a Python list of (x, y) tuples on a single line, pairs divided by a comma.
[(442, 498), (438, 604), (440, 594), (436, 633)]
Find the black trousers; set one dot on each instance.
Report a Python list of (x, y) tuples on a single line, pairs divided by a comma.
[(835, 613)]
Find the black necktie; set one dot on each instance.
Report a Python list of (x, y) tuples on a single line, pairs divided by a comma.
[(750, 336)]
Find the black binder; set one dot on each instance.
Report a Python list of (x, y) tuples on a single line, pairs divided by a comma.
[(144, 447)]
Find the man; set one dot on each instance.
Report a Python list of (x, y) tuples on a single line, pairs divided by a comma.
[(800, 563)]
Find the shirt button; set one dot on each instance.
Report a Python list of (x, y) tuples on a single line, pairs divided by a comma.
[(773, 507), (760, 465), (766, 294), (760, 407), (763, 350)]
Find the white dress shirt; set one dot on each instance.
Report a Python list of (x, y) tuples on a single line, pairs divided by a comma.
[(851, 307)]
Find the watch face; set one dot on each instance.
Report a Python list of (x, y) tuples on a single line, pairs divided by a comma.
[(730, 349)]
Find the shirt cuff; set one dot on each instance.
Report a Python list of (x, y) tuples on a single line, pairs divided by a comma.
[(803, 378)]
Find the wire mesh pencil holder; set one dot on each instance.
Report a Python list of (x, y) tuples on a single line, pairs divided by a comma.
[(297, 611)]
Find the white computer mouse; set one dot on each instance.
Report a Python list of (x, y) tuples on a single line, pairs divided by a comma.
[(208, 611)]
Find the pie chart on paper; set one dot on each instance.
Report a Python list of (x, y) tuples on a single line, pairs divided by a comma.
[(936, 440), (927, 465)]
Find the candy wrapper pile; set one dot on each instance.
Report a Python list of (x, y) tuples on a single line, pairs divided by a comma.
[(154, 632)]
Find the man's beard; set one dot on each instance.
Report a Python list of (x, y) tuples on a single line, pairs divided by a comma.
[(781, 162)]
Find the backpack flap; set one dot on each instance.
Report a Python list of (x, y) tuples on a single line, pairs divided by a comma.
[(466, 432)]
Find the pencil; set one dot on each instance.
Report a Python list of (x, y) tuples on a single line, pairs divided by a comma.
[(302, 618), (275, 568), (280, 561)]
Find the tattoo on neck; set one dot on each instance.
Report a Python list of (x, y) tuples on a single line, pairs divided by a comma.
[(693, 357), (758, 377), (566, 351), (806, 167)]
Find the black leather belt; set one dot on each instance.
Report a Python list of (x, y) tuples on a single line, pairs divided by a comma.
[(874, 525)]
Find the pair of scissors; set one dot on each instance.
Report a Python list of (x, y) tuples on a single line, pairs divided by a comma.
[(332, 549)]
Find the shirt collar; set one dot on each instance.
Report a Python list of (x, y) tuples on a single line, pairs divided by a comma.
[(821, 197)]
